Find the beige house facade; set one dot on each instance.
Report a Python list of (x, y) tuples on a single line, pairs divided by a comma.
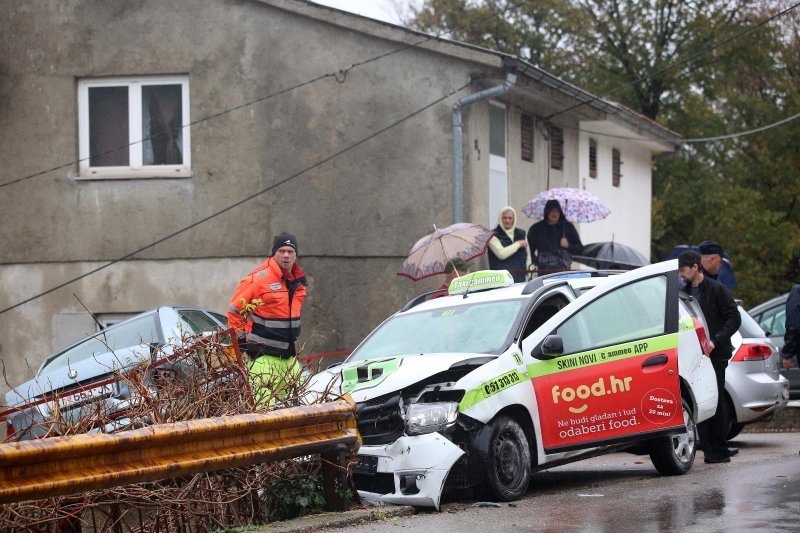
[(150, 150)]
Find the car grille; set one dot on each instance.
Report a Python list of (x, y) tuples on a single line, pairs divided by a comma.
[(380, 483), (379, 420)]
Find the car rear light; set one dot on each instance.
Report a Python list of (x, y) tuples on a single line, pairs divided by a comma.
[(701, 336), (9, 429), (752, 352)]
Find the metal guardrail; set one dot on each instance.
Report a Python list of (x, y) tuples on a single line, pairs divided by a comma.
[(60, 466)]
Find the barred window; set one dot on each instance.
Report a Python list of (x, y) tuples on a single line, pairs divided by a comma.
[(616, 167), (592, 158)]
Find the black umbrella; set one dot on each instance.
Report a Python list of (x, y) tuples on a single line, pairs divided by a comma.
[(611, 255)]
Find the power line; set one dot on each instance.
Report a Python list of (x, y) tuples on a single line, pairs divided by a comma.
[(741, 133), (678, 63), (340, 76), (694, 140), (244, 200)]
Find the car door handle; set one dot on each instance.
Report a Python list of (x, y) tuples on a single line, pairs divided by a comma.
[(654, 360)]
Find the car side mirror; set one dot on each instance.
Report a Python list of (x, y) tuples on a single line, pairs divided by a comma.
[(551, 347)]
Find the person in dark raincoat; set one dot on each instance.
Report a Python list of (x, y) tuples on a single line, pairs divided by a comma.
[(552, 240)]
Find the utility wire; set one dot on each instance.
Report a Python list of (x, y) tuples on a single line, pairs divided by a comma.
[(677, 63), (244, 200), (741, 133), (340, 76), (694, 140), (173, 130)]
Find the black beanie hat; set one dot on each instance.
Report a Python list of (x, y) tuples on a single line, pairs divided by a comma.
[(284, 239)]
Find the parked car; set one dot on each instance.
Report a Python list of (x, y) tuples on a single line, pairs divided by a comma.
[(481, 387), (73, 381), (771, 316), (754, 388)]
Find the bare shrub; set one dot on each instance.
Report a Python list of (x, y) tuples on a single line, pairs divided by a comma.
[(204, 376)]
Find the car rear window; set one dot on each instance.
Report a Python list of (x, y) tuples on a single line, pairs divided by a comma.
[(142, 330), (750, 328)]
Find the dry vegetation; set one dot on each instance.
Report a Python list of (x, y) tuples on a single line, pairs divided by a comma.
[(201, 378)]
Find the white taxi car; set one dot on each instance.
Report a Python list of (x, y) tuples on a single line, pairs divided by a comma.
[(483, 386)]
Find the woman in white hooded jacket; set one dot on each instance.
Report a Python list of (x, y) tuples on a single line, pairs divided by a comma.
[(508, 249)]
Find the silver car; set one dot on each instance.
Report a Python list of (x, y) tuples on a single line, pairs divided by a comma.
[(754, 387), (79, 379), (771, 316)]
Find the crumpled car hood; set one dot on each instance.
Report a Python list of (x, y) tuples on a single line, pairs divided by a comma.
[(376, 377)]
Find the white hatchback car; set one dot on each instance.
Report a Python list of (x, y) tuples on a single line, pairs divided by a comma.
[(481, 387)]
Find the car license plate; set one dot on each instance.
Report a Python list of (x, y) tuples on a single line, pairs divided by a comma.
[(81, 396), (367, 464)]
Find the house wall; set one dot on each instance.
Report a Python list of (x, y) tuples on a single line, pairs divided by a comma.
[(355, 216), (630, 203)]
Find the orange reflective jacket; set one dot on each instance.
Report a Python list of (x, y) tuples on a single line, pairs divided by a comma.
[(273, 325)]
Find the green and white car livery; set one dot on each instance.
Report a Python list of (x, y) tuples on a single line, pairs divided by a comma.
[(480, 388)]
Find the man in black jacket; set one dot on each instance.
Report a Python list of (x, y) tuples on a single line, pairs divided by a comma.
[(723, 320), (553, 240), (791, 339)]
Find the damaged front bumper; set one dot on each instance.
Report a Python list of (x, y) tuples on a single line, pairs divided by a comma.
[(410, 471)]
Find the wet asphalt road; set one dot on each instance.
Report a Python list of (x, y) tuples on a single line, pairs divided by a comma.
[(759, 490)]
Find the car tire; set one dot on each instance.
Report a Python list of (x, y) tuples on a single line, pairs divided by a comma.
[(674, 455), (735, 430), (507, 470)]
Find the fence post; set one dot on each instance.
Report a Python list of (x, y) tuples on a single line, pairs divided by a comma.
[(334, 480)]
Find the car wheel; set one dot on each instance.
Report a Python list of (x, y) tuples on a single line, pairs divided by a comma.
[(508, 465), (674, 455)]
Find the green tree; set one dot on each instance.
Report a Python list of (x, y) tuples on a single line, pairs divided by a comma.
[(663, 58)]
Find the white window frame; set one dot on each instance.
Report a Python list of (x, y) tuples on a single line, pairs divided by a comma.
[(136, 168)]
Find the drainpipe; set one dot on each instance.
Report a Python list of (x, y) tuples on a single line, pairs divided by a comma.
[(458, 165)]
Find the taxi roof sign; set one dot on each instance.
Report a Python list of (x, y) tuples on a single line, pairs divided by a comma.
[(480, 281)]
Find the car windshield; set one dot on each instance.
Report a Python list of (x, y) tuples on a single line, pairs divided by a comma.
[(474, 328), (750, 328), (195, 321)]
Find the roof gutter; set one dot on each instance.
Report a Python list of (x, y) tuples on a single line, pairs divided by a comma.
[(458, 162)]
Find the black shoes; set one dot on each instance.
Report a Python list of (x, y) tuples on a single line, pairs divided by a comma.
[(717, 459), (732, 452)]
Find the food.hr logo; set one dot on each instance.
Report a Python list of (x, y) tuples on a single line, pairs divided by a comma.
[(582, 392)]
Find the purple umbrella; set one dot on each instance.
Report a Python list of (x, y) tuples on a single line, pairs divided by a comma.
[(578, 205)]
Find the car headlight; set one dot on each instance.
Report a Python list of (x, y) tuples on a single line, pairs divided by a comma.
[(429, 417)]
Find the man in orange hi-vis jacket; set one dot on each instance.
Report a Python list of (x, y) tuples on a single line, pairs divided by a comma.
[(265, 312)]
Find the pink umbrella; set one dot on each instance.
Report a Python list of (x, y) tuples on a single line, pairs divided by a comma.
[(429, 256), (578, 205)]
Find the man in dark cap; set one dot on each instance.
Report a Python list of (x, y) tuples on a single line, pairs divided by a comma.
[(265, 312), (711, 254), (723, 319)]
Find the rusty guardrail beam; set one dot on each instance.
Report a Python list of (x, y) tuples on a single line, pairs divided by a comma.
[(36, 469)]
